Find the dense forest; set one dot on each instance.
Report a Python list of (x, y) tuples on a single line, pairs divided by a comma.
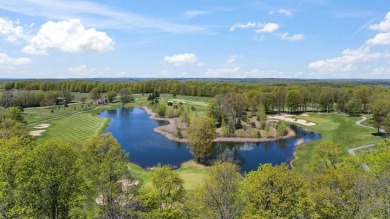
[(65, 179)]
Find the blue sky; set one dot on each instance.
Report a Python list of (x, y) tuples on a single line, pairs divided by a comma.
[(197, 39)]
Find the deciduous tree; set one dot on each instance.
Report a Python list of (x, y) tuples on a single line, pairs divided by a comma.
[(219, 197), (201, 134)]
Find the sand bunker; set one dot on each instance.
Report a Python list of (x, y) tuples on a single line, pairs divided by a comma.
[(288, 118), (42, 126), (36, 132), (41, 129)]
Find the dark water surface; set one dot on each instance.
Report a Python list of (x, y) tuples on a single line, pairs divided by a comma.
[(134, 131)]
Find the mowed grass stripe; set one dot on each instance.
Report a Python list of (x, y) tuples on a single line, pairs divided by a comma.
[(75, 128)]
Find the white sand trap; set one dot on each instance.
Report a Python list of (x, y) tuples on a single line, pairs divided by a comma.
[(36, 132), (287, 118), (304, 114), (42, 126)]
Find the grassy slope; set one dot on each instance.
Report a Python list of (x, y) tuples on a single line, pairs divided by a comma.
[(337, 128), (192, 173)]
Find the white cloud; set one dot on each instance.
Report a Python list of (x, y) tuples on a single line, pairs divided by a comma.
[(231, 59), (5, 60), (261, 27), (385, 71), (295, 37), (95, 15), (351, 59), (243, 26), (268, 28), (181, 59), (282, 12), (222, 72), (11, 29), (383, 26), (68, 36), (382, 38), (347, 62), (194, 13)]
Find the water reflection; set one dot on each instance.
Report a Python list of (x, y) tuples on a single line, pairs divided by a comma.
[(134, 131)]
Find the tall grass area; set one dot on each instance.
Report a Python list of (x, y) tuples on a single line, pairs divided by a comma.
[(334, 127)]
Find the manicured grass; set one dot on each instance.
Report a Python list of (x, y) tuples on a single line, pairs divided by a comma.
[(200, 103), (334, 127), (78, 126), (40, 114), (192, 173), (74, 128)]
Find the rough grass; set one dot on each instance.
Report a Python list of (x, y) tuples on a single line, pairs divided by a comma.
[(192, 173), (334, 127)]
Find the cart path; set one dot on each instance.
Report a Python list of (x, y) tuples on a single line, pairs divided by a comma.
[(364, 119)]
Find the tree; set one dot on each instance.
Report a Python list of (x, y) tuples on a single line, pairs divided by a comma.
[(166, 194), (125, 96), (66, 95), (343, 193), (326, 98), (212, 110), (12, 150), (380, 108), (15, 114), (329, 155), (11, 128), (293, 100), (232, 106), (105, 165), (94, 94), (218, 197), (200, 136), (111, 95), (354, 106), (275, 192), (49, 181)]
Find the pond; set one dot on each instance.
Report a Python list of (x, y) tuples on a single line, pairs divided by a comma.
[(133, 129)]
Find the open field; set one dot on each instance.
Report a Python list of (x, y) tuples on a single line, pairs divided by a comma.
[(192, 173), (334, 127)]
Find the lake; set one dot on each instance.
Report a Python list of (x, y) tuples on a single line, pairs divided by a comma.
[(133, 129)]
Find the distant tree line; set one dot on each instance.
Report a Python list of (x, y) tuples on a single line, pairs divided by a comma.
[(293, 97)]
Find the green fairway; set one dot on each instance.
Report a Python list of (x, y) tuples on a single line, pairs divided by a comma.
[(200, 103), (192, 173), (334, 127), (41, 114), (75, 128)]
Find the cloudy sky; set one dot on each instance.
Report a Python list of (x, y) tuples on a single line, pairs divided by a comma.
[(192, 38)]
